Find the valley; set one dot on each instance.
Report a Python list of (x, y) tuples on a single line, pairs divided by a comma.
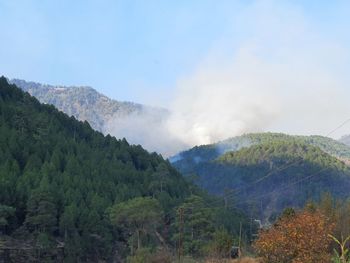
[(58, 201), (174, 131)]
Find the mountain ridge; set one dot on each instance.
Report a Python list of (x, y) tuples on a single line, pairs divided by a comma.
[(214, 150), (104, 114), (263, 164)]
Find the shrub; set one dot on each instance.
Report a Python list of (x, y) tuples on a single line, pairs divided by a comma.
[(298, 238)]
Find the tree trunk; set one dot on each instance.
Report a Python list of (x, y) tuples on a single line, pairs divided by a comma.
[(132, 245), (138, 239)]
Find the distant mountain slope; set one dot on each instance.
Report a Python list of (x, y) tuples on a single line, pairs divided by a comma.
[(133, 121), (264, 173), (204, 153)]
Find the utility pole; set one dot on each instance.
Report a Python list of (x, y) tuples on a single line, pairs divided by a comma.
[(239, 241), (181, 229), (226, 192)]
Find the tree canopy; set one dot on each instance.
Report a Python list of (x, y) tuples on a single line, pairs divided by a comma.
[(70, 194), (59, 177)]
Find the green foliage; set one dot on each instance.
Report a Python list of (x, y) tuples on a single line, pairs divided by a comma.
[(344, 255), (194, 225), (59, 177), (6, 213), (64, 184), (288, 212), (142, 255), (137, 212), (41, 209), (275, 152), (206, 227), (146, 255), (220, 245), (185, 161), (337, 211), (43, 241), (264, 173), (141, 215)]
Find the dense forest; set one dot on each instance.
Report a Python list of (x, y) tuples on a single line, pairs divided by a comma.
[(68, 193), (274, 172), (185, 160)]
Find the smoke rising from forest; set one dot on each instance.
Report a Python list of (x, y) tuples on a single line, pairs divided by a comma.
[(284, 75)]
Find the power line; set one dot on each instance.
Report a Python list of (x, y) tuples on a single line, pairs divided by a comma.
[(340, 126), (231, 192), (181, 230), (284, 187), (254, 198), (270, 174), (234, 191), (280, 169)]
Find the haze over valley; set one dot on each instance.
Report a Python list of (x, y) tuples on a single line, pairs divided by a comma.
[(174, 131), (152, 127), (272, 66)]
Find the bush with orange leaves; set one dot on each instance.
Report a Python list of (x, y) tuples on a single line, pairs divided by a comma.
[(297, 238)]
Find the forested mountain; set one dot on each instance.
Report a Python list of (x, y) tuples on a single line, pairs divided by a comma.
[(264, 173), (203, 153), (70, 194), (121, 119)]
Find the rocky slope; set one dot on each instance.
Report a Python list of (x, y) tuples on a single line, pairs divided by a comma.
[(121, 119)]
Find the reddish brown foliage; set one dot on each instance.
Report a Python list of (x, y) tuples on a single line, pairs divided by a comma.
[(298, 238)]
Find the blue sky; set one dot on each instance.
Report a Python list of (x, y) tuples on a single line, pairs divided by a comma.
[(125, 49), (169, 53), (129, 49)]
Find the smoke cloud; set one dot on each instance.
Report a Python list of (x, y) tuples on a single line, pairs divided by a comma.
[(147, 128), (284, 77), (273, 71), (215, 104)]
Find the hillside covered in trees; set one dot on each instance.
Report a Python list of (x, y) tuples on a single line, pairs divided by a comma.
[(109, 116), (267, 172), (70, 194), (203, 153)]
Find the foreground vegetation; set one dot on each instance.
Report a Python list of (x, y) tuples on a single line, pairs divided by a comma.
[(70, 194), (315, 234)]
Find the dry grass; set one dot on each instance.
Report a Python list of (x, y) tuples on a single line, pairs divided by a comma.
[(246, 260), (242, 260)]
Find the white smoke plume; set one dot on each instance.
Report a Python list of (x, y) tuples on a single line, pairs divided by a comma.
[(147, 128), (283, 74), (215, 104), (285, 77)]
